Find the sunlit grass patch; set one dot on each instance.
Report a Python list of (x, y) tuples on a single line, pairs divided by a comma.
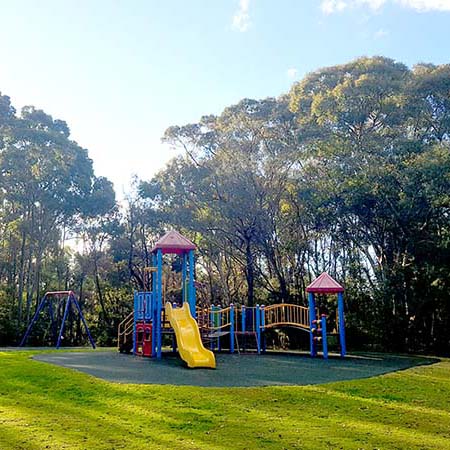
[(45, 406)]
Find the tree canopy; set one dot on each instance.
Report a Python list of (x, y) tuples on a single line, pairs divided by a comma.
[(348, 172)]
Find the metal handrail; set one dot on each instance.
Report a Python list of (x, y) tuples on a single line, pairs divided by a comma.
[(126, 324), (225, 318)]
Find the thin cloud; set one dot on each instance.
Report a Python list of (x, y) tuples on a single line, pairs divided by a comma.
[(336, 6), (332, 6), (426, 5), (381, 33), (241, 19), (292, 73)]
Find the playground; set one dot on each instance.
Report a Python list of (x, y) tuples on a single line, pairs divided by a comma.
[(201, 376), (232, 370)]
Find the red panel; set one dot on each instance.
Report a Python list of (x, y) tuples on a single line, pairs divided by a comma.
[(324, 284), (174, 242)]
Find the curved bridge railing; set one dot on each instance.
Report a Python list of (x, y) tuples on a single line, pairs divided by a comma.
[(287, 315)]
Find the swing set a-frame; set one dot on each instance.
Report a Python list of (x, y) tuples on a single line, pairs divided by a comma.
[(47, 300)]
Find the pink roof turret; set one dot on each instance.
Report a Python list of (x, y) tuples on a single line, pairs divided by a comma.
[(174, 242), (324, 284)]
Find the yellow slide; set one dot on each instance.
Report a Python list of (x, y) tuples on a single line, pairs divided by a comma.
[(190, 345)]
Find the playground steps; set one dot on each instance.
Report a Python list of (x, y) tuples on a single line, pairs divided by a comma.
[(125, 334)]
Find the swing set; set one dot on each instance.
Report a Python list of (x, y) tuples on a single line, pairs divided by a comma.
[(71, 303)]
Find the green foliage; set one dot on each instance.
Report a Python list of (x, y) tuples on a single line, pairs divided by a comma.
[(47, 191), (349, 173), (45, 406)]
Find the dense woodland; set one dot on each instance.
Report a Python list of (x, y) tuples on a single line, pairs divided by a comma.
[(348, 172)]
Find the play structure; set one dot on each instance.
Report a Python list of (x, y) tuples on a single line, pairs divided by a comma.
[(235, 328), (142, 331), (55, 301)]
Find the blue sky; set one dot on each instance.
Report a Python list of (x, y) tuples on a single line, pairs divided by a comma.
[(121, 72)]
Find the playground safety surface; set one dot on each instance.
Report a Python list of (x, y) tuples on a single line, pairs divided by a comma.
[(243, 370)]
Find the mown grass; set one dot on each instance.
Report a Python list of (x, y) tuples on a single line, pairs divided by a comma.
[(48, 407)]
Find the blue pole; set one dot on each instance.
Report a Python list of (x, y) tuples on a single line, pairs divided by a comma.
[(231, 328), (183, 278), (219, 324), (159, 304), (211, 321), (174, 339), (77, 305), (263, 325), (258, 329), (312, 317), (61, 331), (135, 312), (192, 284), (243, 325), (154, 308), (324, 336), (33, 320), (341, 324)]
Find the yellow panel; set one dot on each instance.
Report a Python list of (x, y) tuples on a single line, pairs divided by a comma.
[(190, 345)]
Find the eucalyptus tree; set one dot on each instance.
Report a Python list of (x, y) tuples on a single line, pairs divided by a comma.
[(229, 187), (47, 186), (378, 137)]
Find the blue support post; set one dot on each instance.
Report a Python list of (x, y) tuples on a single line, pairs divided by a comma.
[(323, 321), (135, 314), (174, 339), (61, 331), (243, 325), (211, 321), (192, 284), (258, 328), (159, 304), (231, 328), (341, 324), (312, 317), (77, 305), (33, 320), (154, 308), (263, 325), (219, 324), (183, 278)]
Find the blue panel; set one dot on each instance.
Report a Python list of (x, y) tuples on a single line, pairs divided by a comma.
[(148, 306)]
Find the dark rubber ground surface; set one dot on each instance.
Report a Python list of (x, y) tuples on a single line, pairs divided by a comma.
[(232, 370)]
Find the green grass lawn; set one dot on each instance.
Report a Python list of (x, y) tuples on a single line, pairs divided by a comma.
[(48, 407)]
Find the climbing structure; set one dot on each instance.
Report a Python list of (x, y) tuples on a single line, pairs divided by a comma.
[(142, 331), (231, 328), (325, 285)]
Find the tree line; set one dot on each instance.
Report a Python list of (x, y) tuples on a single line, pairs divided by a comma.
[(348, 172)]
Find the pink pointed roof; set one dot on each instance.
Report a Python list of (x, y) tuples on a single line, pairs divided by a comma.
[(174, 242), (324, 284)]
